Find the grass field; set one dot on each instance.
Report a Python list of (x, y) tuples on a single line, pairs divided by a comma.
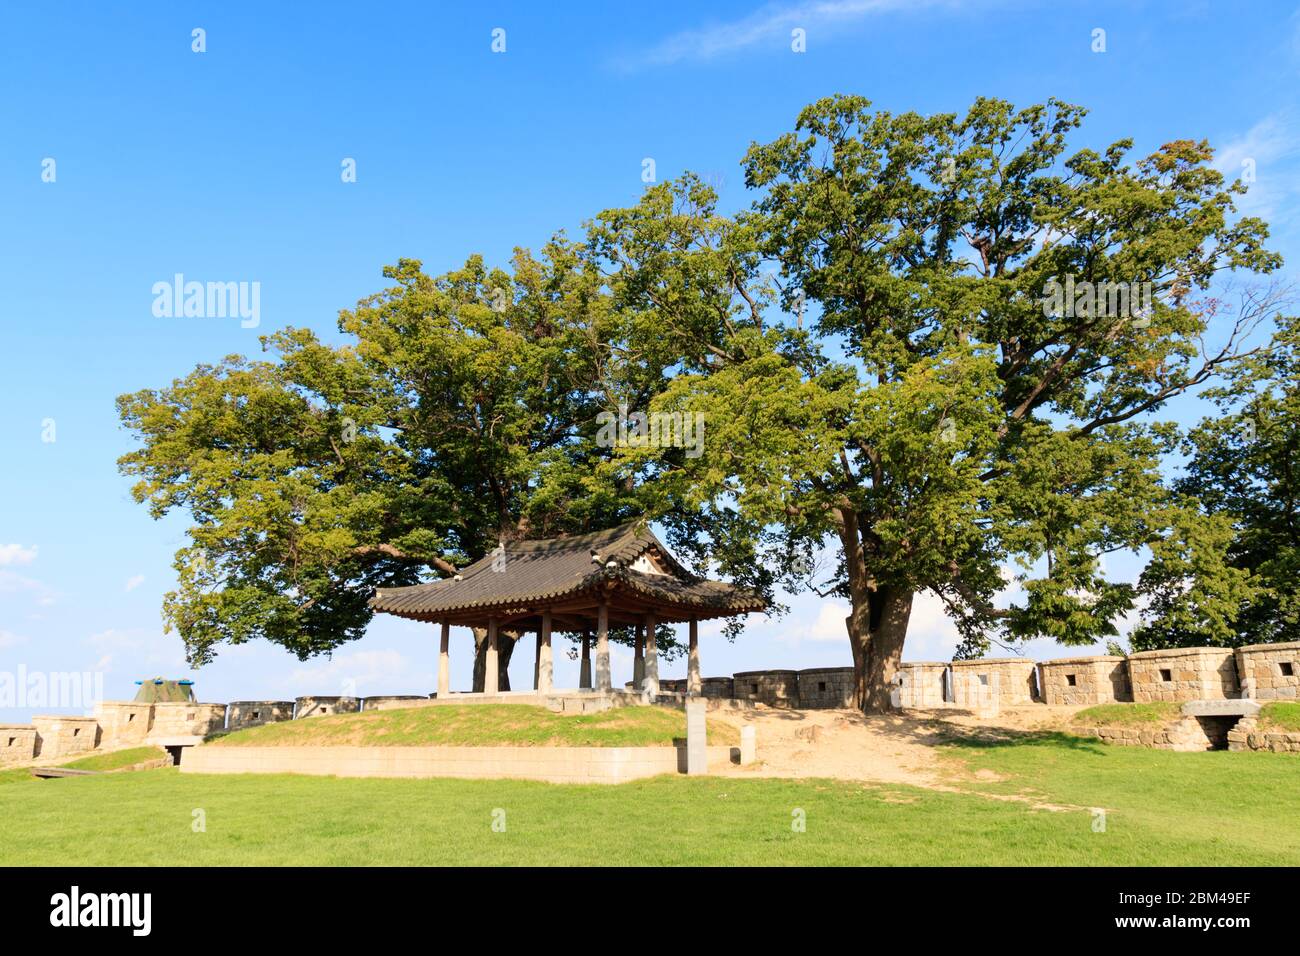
[(483, 725), (1162, 808)]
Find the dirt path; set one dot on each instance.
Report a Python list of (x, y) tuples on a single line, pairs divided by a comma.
[(894, 748)]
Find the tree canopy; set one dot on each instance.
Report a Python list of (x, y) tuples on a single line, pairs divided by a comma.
[(942, 345), (942, 414)]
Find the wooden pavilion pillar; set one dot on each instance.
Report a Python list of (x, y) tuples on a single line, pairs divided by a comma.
[(650, 685), (444, 662), (544, 662), (603, 680), (584, 673), (694, 685), (490, 663), (638, 658)]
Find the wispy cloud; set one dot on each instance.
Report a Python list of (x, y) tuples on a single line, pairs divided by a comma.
[(11, 583), (16, 554), (767, 26), (9, 639), (1269, 154), (134, 582), (348, 672)]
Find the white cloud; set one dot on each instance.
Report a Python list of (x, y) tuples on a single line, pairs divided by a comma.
[(770, 25), (350, 673), (134, 582), (931, 634), (11, 583), (117, 640), (16, 554), (1268, 153), (10, 639)]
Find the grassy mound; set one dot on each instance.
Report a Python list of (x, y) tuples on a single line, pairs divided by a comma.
[(117, 759), (102, 762), (1128, 715), (481, 725), (1280, 715)]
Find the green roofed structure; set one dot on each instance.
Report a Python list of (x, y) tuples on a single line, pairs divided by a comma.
[(578, 584), (160, 691)]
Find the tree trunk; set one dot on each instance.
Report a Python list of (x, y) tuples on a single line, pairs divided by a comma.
[(877, 628), (505, 647)]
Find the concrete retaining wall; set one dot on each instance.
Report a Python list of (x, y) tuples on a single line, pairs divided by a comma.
[(1269, 671), (393, 702), (1183, 673), (549, 764)]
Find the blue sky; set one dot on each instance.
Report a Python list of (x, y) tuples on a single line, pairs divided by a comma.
[(225, 165)]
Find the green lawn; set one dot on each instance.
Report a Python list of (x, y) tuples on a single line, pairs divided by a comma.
[(483, 725), (1128, 715), (1163, 808), (1281, 715)]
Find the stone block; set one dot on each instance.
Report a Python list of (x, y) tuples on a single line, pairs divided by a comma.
[(1269, 671), (697, 752), (1074, 681), (324, 706), (825, 687), (778, 688), (254, 713), (748, 745), (18, 743), (1183, 674), (65, 736), (123, 722)]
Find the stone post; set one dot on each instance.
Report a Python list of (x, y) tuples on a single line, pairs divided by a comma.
[(490, 663), (697, 744), (603, 678), (748, 744), (651, 683), (545, 670), (694, 684), (444, 662)]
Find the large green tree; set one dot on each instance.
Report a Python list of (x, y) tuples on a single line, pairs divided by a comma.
[(952, 384), (1237, 583), (460, 412)]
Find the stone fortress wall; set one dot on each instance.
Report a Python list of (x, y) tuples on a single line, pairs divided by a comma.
[(1255, 672), (1262, 672)]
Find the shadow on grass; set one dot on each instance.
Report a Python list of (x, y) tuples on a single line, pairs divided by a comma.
[(989, 738)]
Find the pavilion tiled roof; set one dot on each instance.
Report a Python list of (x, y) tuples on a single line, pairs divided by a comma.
[(546, 571)]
